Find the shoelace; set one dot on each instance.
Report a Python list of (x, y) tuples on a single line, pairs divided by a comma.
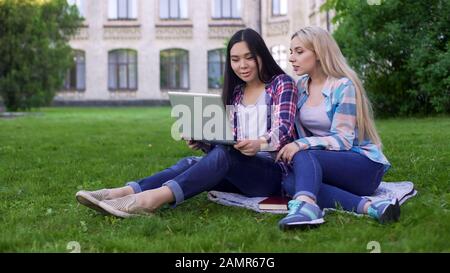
[(293, 206), (373, 209), (373, 212)]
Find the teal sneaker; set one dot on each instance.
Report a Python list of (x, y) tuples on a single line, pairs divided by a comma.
[(385, 211), (301, 214)]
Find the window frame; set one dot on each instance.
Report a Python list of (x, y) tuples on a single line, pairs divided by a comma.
[(179, 11), (80, 6), (169, 67), (221, 16), (68, 85), (280, 49), (117, 65), (130, 16), (222, 62), (279, 14)]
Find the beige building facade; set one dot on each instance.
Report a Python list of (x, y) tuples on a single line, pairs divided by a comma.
[(134, 51)]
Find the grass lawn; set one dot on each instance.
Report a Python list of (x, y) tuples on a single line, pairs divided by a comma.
[(47, 157)]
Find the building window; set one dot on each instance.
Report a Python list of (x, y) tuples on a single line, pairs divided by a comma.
[(76, 75), (174, 69), (216, 67), (173, 9), (122, 70), (226, 9), (122, 9), (79, 4), (279, 53), (279, 7)]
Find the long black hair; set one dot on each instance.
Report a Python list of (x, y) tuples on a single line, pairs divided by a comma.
[(257, 47)]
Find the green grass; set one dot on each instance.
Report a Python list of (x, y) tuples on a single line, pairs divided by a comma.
[(46, 158)]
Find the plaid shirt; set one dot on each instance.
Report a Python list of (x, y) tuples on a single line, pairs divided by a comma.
[(340, 102), (281, 96)]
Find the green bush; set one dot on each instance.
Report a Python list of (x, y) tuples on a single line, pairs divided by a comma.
[(401, 50), (34, 51)]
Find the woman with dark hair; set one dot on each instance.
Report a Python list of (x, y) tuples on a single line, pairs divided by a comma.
[(252, 79)]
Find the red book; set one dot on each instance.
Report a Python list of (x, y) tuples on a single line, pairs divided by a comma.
[(274, 203)]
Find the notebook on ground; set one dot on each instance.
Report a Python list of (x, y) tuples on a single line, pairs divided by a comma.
[(274, 203)]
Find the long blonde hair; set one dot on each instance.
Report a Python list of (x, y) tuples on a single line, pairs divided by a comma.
[(334, 64)]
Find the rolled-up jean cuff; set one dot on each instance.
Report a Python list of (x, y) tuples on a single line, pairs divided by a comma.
[(177, 192), (362, 203), (307, 193), (135, 186)]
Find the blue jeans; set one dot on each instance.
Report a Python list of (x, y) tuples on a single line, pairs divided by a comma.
[(223, 169), (334, 177)]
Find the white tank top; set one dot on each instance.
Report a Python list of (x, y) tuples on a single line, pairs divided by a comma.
[(252, 119)]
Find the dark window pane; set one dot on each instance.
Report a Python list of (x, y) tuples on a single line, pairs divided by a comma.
[(75, 76), (112, 80), (174, 69), (216, 65), (122, 70), (80, 77), (132, 73)]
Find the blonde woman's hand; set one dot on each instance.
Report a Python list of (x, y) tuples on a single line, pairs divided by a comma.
[(288, 151)]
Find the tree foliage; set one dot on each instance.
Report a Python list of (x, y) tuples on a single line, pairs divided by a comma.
[(401, 50), (34, 50)]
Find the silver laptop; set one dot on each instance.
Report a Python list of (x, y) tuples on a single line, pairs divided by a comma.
[(201, 117)]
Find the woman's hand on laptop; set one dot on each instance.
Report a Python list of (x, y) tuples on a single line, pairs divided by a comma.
[(248, 147), (194, 145)]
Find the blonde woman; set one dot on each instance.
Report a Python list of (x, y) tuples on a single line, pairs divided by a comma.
[(337, 158)]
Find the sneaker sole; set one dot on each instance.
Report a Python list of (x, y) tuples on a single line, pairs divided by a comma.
[(89, 201), (391, 213), (115, 212), (303, 225)]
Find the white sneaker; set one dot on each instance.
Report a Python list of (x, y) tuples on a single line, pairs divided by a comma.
[(123, 207), (91, 199)]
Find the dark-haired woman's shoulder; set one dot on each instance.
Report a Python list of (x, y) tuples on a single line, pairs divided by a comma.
[(283, 83), (283, 79)]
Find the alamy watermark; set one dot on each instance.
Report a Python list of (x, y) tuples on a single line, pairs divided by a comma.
[(215, 122), (374, 246), (74, 247)]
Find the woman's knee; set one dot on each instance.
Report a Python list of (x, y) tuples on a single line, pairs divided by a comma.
[(186, 163), (302, 156), (221, 151)]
